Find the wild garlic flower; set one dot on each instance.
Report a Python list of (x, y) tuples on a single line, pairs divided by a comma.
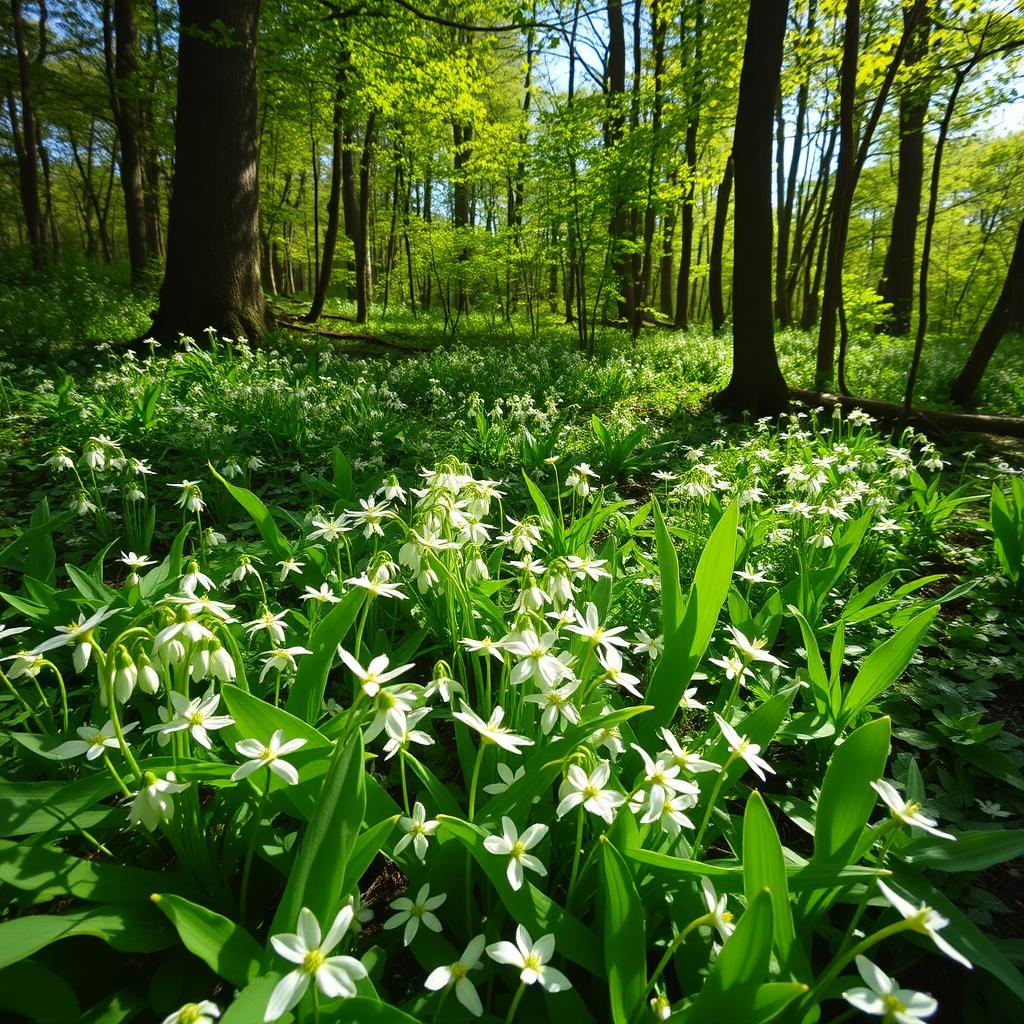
[(740, 746), (92, 742), (557, 704), (334, 975), (418, 831), (926, 921), (589, 790), (615, 674), (492, 730), (325, 595), (153, 803), (884, 998), (683, 758), (371, 677), (269, 755), (515, 846), (402, 732), (536, 660), (719, 918), (907, 811), (531, 960), (457, 974), (194, 716), (412, 912), (289, 565), (652, 646)]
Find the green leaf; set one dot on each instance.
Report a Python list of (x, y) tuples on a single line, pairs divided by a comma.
[(668, 570), (260, 515), (41, 558), (823, 698), (884, 665), (742, 1004), (366, 847), (227, 948), (360, 1010), (31, 990), (307, 692), (129, 927), (972, 851), (250, 1004), (318, 876), (625, 943), (745, 954), (528, 905), (30, 536), (764, 867), (846, 798), (685, 646)]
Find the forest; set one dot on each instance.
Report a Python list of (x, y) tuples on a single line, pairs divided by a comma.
[(511, 511)]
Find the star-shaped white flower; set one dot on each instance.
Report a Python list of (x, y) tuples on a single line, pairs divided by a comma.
[(589, 790), (458, 974), (374, 675), (270, 756), (531, 960), (742, 747), (925, 920), (417, 831), (515, 846), (334, 975), (884, 998), (906, 811), (197, 716), (492, 731), (92, 741), (411, 912)]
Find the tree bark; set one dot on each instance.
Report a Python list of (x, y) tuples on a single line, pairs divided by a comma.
[(615, 88), (361, 238), (757, 385), (897, 284), (122, 63), (717, 248), (1007, 314), (212, 276)]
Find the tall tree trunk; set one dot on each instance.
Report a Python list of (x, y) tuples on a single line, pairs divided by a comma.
[(897, 284), (361, 239), (1007, 314), (666, 277), (462, 137), (212, 276), (715, 302), (615, 89), (692, 127), (323, 281), (658, 28), (122, 64), (26, 142), (757, 385)]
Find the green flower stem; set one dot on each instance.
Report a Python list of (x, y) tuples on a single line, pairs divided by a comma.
[(63, 692), (24, 703), (573, 874), (670, 950), (362, 624), (107, 674), (473, 781), (515, 1002), (117, 777), (843, 959), (405, 786), (251, 847), (441, 1002), (695, 849)]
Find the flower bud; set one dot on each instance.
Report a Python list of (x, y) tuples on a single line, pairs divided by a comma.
[(148, 678)]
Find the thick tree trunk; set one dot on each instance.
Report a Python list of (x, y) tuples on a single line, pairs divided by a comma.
[(897, 284), (323, 281), (361, 238), (1006, 315), (122, 76), (212, 276), (666, 277), (717, 249), (757, 385), (658, 26), (615, 89)]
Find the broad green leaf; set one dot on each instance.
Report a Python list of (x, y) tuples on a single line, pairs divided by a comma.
[(364, 850), (884, 665), (625, 943), (41, 557), (318, 876), (685, 646), (360, 1010), (260, 515), (745, 954), (528, 905), (741, 1004), (128, 927), (972, 851), (846, 798), (31, 990), (227, 948), (31, 808), (668, 569), (815, 666), (307, 691), (30, 536), (764, 867), (249, 1006)]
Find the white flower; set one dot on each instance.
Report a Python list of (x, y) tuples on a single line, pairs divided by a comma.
[(588, 627), (514, 846), (733, 665), (378, 588), (531, 959), (412, 912), (269, 623), (905, 810), (194, 1013), (458, 972), (683, 758), (721, 919), (191, 496), (195, 577), (537, 662), (557, 703), (197, 716), (689, 700), (325, 595), (882, 997), (492, 731), (402, 731), (580, 788), (751, 650), (507, 777), (611, 662), (75, 633), (281, 658), (652, 646), (153, 803), (93, 742), (371, 677), (268, 756), (134, 561), (334, 975), (328, 528), (743, 748), (289, 565), (487, 645), (417, 831), (924, 920)]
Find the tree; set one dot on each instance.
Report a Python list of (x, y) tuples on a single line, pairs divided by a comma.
[(212, 276), (1006, 315), (757, 384)]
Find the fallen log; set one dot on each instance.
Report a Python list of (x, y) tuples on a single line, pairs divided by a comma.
[(371, 339), (925, 420)]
